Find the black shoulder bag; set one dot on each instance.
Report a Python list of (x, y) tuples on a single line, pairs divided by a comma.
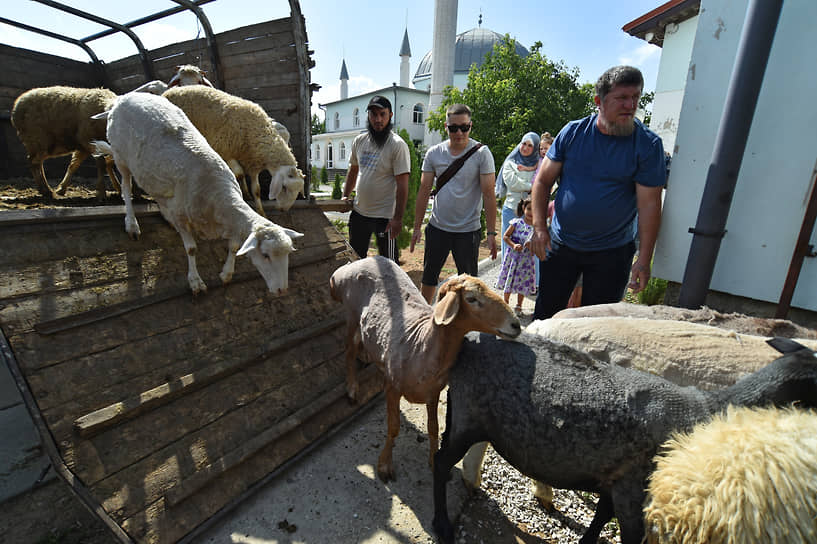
[(453, 168)]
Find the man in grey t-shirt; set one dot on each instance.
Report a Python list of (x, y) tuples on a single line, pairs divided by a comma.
[(382, 159), (454, 226)]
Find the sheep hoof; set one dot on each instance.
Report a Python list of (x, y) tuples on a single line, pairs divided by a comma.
[(385, 473), (198, 287), (352, 391), (443, 529)]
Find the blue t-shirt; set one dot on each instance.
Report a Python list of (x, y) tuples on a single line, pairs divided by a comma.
[(596, 201)]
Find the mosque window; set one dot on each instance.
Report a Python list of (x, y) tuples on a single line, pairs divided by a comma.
[(418, 114), (342, 152), (317, 152), (356, 117), (337, 120)]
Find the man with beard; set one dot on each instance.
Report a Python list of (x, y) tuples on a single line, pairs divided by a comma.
[(381, 157), (611, 171)]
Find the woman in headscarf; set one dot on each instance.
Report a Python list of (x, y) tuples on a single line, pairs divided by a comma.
[(515, 178)]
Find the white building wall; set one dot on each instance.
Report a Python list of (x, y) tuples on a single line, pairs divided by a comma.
[(777, 171), (672, 75)]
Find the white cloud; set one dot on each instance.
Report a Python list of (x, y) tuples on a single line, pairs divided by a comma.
[(641, 55)]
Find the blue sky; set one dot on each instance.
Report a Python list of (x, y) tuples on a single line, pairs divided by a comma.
[(583, 33)]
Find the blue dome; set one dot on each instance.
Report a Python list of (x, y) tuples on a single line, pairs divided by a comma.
[(470, 48)]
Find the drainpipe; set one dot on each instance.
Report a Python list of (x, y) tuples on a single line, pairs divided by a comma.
[(741, 99), (802, 249)]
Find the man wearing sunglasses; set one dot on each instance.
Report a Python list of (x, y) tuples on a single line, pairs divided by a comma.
[(612, 171), (454, 227)]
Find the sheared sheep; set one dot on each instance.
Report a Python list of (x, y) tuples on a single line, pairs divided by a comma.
[(758, 326), (187, 74), (243, 134), (562, 417), (746, 476), (153, 140), (412, 343), (56, 121)]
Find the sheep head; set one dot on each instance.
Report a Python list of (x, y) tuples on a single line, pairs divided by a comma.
[(475, 307), (187, 74), (286, 184), (268, 246)]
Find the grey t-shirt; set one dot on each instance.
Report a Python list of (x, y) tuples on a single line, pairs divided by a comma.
[(458, 205), (375, 185)]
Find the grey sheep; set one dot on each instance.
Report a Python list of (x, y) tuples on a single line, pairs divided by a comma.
[(574, 422)]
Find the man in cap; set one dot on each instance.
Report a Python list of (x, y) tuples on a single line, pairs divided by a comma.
[(379, 168)]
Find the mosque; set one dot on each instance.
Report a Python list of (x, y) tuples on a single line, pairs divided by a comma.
[(346, 118)]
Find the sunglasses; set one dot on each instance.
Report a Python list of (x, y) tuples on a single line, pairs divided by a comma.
[(456, 128)]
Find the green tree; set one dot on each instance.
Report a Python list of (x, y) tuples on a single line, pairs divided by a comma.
[(315, 179), (645, 103), (318, 126), (404, 238), (510, 95), (324, 176), (337, 187)]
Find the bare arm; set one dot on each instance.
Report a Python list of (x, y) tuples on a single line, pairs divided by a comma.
[(420, 205), (486, 182), (396, 222), (648, 200), (351, 181), (542, 187)]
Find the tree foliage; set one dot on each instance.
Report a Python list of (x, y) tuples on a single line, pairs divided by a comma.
[(318, 126), (337, 187), (510, 95), (404, 238)]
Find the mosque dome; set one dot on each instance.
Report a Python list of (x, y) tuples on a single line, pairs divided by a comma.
[(470, 48)]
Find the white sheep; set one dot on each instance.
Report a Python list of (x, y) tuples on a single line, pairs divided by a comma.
[(746, 476), (152, 139), (243, 134), (56, 121), (412, 343), (156, 86), (187, 74)]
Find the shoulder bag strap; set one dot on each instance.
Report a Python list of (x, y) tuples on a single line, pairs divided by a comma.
[(453, 168)]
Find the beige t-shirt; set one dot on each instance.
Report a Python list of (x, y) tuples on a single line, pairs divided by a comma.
[(376, 187)]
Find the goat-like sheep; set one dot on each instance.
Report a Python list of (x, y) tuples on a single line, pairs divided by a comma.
[(188, 74), (243, 134), (412, 343), (56, 121), (744, 477), (152, 139), (574, 422)]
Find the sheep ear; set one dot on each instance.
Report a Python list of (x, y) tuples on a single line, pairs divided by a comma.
[(174, 80), (292, 233), (447, 307), (785, 345), (250, 244)]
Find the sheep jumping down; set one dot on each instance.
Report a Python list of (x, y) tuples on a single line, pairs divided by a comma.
[(412, 343), (244, 135), (564, 418), (746, 476), (153, 140), (56, 121)]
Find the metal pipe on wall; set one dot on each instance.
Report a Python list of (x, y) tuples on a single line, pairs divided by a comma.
[(741, 99)]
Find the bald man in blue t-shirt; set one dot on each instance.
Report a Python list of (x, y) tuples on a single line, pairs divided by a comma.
[(611, 171)]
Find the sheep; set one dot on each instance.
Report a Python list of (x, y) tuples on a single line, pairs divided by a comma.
[(413, 344), (56, 121), (242, 133), (152, 139), (157, 87), (746, 476), (741, 323), (562, 417), (187, 74)]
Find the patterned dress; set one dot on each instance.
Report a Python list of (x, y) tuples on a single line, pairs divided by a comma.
[(517, 273)]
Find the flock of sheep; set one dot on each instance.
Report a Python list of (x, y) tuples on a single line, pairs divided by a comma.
[(190, 147), (688, 432)]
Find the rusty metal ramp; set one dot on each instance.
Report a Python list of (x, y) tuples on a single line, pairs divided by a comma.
[(160, 409)]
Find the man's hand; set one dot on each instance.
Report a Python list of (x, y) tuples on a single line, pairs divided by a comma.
[(416, 236), (394, 226), (492, 246), (540, 243), (639, 276)]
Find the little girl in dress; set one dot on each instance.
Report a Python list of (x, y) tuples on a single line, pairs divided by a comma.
[(517, 273)]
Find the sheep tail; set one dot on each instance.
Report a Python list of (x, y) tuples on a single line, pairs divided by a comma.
[(101, 148)]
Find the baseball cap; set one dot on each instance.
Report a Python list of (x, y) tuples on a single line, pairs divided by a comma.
[(378, 101)]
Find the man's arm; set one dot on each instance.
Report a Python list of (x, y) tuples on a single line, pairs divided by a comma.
[(396, 222), (648, 200), (351, 180), (486, 182), (542, 187), (420, 205)]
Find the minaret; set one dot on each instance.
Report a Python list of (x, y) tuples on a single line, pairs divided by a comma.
[(344, 81), (442, 53), (405, 54)]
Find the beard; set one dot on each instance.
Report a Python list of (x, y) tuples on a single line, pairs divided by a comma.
[(617, 128), (379, 136)]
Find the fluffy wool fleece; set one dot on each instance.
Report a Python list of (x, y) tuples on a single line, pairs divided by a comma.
[(684, 353), (747, 476)]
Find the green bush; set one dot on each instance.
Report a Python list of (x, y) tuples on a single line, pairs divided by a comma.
[(404, 238), (315, 180), (337, 188), (653, 293), (324, 176)]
